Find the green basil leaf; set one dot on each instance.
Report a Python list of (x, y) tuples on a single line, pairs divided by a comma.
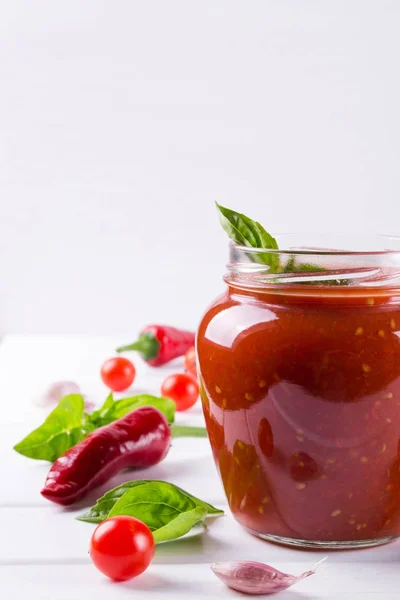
[(112, 410), (294, 267), (246, 232), (100, 511), (187, 431), (180, 525), (166, 509), (155, 503), (211, 510), (125, 405), (61, 430), (101, 416), (103, 506), (290, 265)]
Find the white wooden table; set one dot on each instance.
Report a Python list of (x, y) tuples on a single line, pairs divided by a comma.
[(44, 550)]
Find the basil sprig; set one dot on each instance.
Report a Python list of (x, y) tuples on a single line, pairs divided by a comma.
[(169, 511), (68, 424), (246, 232), (112, 410)]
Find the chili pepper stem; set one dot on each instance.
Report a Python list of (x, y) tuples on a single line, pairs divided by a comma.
[(146, 345)]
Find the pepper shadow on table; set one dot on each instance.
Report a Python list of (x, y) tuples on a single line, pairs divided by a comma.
[(170, 471)]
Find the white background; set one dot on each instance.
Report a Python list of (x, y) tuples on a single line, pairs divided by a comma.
[(122, 121)]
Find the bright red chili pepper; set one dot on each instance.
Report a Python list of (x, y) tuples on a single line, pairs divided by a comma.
[(140, 439), (159, 344)]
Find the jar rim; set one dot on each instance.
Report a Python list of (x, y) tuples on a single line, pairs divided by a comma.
[(320, 265), (323, 251)]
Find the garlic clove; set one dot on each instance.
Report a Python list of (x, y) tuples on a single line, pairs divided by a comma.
[(56, 391), (255, 577)]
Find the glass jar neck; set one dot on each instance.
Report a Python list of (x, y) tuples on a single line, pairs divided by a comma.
[(310, 270)]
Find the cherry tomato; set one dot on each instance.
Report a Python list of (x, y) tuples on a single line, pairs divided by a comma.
[(122, 547), (190, 362), (118, 373), (182, 388)]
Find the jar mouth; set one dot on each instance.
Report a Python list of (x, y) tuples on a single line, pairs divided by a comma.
[(312, 261), (333, 243)]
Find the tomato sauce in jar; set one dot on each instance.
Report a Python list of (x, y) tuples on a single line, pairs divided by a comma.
[(300, 387)]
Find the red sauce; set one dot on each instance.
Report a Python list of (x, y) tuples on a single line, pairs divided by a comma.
[(301, 397)]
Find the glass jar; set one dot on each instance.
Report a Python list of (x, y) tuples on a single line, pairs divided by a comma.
[(300, 384)]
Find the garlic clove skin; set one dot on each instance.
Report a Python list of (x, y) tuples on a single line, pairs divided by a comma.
[(255, 577), (58, 390)]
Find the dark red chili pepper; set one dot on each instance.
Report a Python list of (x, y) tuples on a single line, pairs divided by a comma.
[(158, 344), (140, 439)]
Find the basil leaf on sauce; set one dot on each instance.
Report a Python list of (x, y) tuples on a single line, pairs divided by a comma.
[(294, 267), (61, 430), (246, 232), (103, 507)]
